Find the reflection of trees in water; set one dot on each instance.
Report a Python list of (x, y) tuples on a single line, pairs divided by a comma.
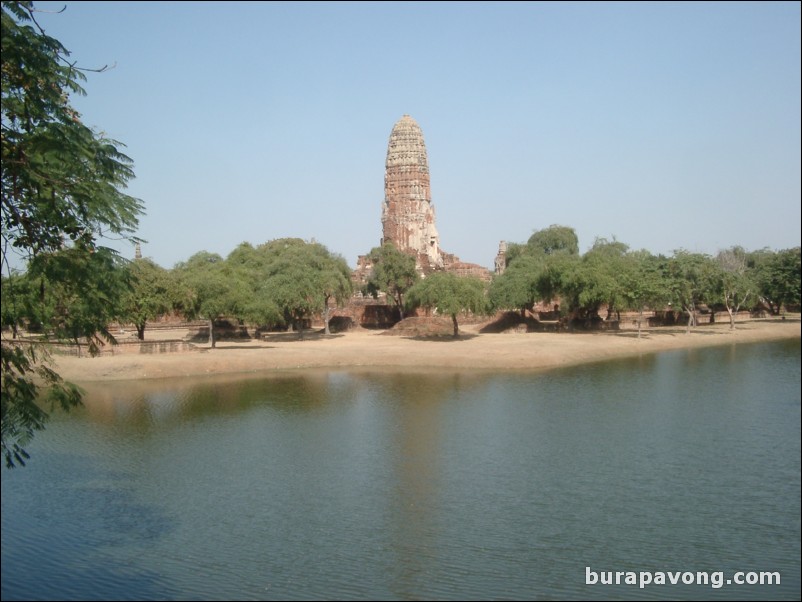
[(418, 387), (400, 435), (416, 438), (151, 401), (147, 403)]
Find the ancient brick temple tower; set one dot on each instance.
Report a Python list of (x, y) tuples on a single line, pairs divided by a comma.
[(407, 212)]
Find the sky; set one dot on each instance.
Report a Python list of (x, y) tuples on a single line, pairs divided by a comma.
[(663, 125)]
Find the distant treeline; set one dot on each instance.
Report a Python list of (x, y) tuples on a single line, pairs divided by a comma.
[(284, 282)]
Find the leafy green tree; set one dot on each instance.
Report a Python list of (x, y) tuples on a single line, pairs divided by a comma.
[(734, 282), (556, 278), (689, 277), (393, 273), (17, 295), (213, 290), (449, 294), (62, 185), (61, 180), (594, 281), (151, 294), (248, 265), (334, 280), (520, 286), (514, 251), (554, 240), (70, 314), (290, 279), (304, 278), (777, 276), (642, 283)]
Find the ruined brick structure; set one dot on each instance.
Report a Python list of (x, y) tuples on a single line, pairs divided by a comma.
[(408, 219), (407, 212)]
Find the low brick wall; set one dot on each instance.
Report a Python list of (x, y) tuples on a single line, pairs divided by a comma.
[(127, 348)]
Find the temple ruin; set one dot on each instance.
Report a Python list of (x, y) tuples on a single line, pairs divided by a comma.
[(407, 212), (408, 217)]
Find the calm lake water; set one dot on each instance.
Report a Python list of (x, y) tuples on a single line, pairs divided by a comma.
[(346, 485)]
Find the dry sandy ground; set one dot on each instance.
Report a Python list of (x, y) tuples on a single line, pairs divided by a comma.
[(363, 349)]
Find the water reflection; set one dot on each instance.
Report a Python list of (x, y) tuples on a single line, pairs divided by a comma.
[(408, 486)]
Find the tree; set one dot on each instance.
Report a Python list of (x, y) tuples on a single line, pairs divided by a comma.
[(290, 279), (78, 315), (334, 280), (734, 282), (642, 283), (213, 290), (777, 276), (393, 273), (248, 266), (62, 186), (17, 293), (149, 296), (594, 281), (520, 286), (555, 239), (449, 294), (689, 278), (302, 278)]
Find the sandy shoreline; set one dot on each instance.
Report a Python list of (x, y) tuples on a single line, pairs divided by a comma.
[(363, 349)]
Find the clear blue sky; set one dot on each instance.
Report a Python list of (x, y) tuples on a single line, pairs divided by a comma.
[(665, 125)]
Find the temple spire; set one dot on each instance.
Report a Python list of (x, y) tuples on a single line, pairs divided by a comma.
[(408, 219)]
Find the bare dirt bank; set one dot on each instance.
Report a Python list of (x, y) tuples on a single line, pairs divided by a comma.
[(363, 349)]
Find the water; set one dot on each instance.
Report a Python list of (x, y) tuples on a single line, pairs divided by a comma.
[(409, 486)]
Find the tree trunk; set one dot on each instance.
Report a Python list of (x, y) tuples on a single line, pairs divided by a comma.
[(326, 316), (140, 331), (400, 303), (456, 326), (212, 342), (691, 320), (640, 321), (736, 309), (732, 318)]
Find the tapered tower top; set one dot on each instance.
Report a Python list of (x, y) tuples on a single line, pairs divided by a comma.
[(406, 151), (407, 212)]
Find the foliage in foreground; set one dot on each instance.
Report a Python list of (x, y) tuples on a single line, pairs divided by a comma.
[(62, 191)]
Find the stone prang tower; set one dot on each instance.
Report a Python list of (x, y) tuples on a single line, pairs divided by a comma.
[(407, 211)]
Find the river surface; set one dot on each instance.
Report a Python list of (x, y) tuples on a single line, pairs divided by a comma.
[(377, 485)]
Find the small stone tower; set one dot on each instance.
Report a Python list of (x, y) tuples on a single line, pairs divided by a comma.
[(501, 258)]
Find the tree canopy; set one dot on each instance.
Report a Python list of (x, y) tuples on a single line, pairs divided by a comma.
[(61, 179), (450, 295), (62, 192), (393, 273), (553, 240), (521, 285), (733, 283), (211, 289), (151, 293), (777, 277)]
